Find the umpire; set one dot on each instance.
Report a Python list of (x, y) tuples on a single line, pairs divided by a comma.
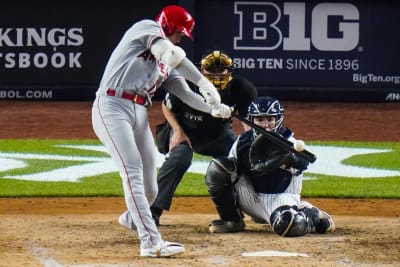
[(196, 131)]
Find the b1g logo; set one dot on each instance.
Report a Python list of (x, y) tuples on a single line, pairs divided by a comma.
[(334, 26)]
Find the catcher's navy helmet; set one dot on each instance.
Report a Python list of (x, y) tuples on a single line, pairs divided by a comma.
[(266, 106)]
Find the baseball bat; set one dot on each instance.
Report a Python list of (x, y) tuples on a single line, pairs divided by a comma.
[(278, 140)]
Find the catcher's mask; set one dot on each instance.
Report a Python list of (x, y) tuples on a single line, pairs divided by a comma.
[(174, 17), (267, 106), (217, 67)]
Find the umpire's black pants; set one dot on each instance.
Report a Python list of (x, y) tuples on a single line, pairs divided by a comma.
[(172, 170)]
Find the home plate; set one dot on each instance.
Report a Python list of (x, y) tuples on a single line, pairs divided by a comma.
[(273, 253)]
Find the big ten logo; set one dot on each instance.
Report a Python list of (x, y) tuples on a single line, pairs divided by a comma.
[(331, 27)]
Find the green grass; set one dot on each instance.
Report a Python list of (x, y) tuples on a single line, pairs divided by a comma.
[(340, 187), (192, 184), (102, 185), (47, 146)]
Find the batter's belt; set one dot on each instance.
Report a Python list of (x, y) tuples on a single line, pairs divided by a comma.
[(135, 98)]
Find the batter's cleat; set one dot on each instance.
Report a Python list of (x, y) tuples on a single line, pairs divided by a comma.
[(163, 249), (126, 221), (325, 224), (221, 226)]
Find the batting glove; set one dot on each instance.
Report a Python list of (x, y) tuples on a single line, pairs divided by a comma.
[(221, 111), (209, 92)]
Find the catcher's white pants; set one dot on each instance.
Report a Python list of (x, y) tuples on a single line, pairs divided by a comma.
[(123, 127), (260, 206)]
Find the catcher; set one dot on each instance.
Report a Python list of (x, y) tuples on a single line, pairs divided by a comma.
[(263, 181)]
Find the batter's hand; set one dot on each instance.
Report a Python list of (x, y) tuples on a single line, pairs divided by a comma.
[(209, 92), (221, 111)]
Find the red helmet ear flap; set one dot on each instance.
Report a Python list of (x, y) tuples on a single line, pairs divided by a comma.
[(174, 17)]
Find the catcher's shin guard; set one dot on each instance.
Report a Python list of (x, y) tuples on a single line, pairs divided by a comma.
[(219, 185)]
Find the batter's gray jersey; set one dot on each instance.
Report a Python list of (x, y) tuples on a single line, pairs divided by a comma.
[(131, 66)]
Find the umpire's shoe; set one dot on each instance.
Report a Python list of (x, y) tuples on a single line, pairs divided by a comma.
[(156, 214), (221, 226)]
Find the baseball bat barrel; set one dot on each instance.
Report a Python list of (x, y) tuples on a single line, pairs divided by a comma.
[(278, 140)]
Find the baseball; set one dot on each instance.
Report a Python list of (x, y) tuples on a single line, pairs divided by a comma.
[(299, 145)]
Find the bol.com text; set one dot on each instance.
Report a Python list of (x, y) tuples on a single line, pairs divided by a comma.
[(13, 94)]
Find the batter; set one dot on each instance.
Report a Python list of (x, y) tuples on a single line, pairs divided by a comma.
[(146, 58)]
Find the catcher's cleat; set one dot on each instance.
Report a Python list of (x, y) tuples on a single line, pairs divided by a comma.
[(163, 249), (221, 226), (325, 224), (259, 220), (126, 221)]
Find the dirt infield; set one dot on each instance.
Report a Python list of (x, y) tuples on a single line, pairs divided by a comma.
[(85, 232)]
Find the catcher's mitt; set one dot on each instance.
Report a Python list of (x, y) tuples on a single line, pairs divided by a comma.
[(265, 155)]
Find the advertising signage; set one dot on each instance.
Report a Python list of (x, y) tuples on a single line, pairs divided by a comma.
[(310, 47), (306, 50), (58, 50)]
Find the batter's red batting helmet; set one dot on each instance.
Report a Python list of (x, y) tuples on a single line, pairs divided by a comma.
[(173, 18)]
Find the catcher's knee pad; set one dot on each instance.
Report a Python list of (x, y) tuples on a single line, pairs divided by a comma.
[(219, 173), (289, 221)]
